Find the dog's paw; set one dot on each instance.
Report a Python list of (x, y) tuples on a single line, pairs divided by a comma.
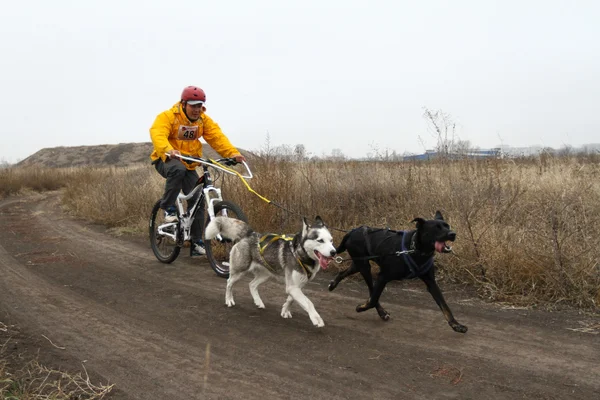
[(361, 307), (286, 314), (332, 285), (384, 315), (259, 304), (459, 328), (318, 321), (230, 303)]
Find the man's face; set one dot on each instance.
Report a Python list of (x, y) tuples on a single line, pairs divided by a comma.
[(193, 111)]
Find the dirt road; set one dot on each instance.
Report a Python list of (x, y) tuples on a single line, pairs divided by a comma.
[(163, 332)]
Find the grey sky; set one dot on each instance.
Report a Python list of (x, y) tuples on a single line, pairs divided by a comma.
[(352, 75)]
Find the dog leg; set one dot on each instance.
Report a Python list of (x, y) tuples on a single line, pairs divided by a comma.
[(343, 275), (285, 310), (436, 293), (307, 305), (237, 269), (233, 278), (366, 274), (374, 298), (259, 278)]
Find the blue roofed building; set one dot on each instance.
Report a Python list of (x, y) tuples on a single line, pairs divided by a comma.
[(471, 153)]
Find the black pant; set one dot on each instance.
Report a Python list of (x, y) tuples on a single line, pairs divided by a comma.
[(180, 178)]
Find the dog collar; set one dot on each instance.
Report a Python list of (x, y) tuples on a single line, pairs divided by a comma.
[(413, 246)]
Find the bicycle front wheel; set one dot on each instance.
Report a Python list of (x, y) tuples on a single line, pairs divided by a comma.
[(164, 238), (217, 251)]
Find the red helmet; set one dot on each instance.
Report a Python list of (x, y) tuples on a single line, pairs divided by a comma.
[(193, 95)]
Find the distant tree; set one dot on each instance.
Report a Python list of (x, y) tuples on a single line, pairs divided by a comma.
[(337, 155), (463, 147), (281, 152), (382, 155), (374, 153), (266, 150), (548, 150), (300, 153), (565, 151), (443, 129)]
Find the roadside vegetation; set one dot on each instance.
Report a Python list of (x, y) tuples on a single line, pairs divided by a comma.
[(528, 229)]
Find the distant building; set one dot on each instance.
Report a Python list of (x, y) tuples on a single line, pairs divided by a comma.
[(495, 152)]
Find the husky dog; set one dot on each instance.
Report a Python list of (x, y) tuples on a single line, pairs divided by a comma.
[(297, 258)]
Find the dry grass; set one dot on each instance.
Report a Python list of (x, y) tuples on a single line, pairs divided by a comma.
[(528, 230), (14, 180), (29, 380), (116, 197)]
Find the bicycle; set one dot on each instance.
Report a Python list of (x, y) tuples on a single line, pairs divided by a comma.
[(167, 239)]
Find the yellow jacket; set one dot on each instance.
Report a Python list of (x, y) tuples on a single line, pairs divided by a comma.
[(172, 130)]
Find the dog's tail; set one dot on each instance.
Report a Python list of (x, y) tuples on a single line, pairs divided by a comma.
[(229, 228), (342, 247)]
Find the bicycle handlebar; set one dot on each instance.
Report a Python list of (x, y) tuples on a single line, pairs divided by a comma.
[(217, 164)]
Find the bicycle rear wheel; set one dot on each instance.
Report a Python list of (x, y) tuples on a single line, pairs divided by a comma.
[(217, 251), (164, 238)]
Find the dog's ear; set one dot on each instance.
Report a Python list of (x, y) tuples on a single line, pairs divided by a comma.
[(438, 215), (319, 222), (419, 221), (305, 226)]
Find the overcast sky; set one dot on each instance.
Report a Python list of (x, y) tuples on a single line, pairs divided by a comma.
[(329, 74)]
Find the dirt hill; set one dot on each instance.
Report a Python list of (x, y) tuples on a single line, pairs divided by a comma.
[(105, 155)]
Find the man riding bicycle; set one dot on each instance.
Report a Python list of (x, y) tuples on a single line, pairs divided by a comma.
[(177, 131)]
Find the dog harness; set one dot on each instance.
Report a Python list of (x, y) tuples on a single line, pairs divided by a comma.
[(406, 247), (269, 238)]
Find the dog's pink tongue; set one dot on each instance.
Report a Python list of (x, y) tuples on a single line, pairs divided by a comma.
[(323, 261), (440, 246)]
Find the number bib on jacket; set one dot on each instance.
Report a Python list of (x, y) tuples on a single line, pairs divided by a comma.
[(187, 132)]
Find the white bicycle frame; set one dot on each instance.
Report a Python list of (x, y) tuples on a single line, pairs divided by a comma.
[(211, 194)]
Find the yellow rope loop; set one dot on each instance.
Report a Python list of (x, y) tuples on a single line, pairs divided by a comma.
[(242, 178)]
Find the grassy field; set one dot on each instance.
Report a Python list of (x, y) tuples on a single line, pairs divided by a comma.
[(528, 230)]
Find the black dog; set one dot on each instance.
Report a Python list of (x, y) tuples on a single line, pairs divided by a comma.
[(400, 255)]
